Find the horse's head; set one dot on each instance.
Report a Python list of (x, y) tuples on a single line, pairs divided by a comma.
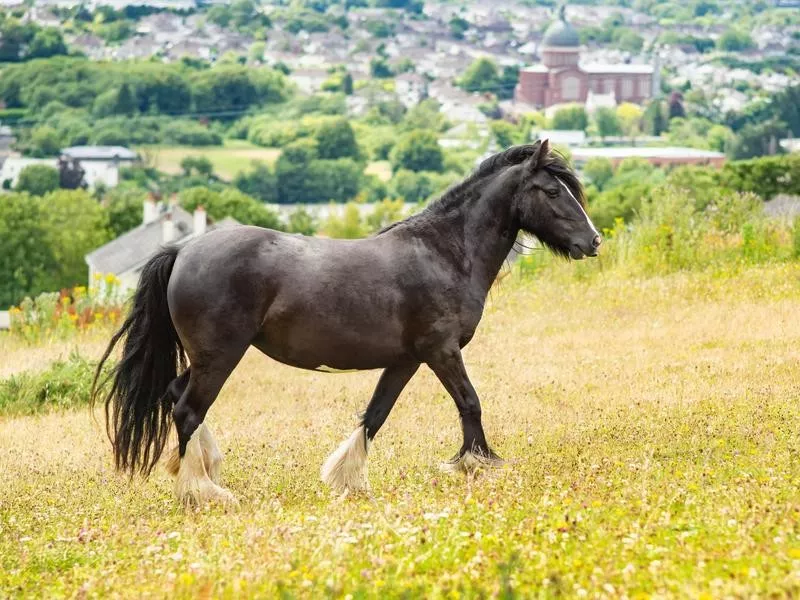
[(550, 204)]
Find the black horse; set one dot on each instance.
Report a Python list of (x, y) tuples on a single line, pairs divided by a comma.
[(411, 294)]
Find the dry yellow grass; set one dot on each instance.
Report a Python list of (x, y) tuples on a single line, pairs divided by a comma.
[(650, 427)]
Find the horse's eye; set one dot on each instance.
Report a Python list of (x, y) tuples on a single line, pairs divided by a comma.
[(552, 193)]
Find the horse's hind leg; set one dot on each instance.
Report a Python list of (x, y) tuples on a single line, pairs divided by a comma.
[(346, 469), (199, 462)]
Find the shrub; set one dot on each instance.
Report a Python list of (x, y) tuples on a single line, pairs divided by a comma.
[(60, 315), (63, 385), (38, 180), (189, 133)]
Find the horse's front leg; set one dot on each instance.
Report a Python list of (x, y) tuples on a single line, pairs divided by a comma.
[(346, 469), (475, 451)]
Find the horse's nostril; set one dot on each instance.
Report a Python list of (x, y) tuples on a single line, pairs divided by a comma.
[(597, 241)]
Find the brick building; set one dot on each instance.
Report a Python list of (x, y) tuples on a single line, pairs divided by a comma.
[(562, 77)]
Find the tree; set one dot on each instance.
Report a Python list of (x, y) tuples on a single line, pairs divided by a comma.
[(607, 122), (302, 221), (38, 179), (46, 43), (124, 207), (735, 40), (627, 40), (125, 103), (230, 203), (347, 84), (345, 225), (418, 151), (675, 105), (481, 76), (412, 187), (504, 133), (336, 139), (653, 120), (425, 115), (458, 27), (599, 171), (260, 182), (87, 230), (630, 118), (200, 165), (759, 139), (25, 255), (379, 68), (571, 117), (70, 174), (44, 141)]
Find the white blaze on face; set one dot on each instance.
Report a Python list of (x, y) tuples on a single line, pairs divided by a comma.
[(571, 195)]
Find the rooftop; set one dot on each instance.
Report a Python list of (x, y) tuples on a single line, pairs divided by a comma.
[(643, 152), (100, 153)]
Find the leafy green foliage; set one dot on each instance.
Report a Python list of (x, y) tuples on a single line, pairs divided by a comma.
[(336, 139), (65, 384), (418, 151), (735, 40), (607, 122), (230, 203), (38, 180), (260, 183), (25, 256), (571, 117)]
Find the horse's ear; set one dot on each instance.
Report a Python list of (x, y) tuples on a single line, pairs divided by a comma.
[(541, 150)]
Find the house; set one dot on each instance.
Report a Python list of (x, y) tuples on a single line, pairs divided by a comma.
[(465, 135), (14, 165), (658, 156), (309, 81), (125, 256), (101, 163), (562, 137), (411, 89)]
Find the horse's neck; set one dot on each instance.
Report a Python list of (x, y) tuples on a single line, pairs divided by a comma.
[(477, 237), (489, 235)]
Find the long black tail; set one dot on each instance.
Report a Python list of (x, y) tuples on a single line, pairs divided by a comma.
[(138, 409)]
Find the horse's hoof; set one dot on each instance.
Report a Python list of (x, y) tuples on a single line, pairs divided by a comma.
[(207, 493), (471, 461)]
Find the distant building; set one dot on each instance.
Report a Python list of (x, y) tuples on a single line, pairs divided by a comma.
[(411, 89), (13, 166), (658, 156), (562, 137), (125, 256), (101, 163), (562, 78)]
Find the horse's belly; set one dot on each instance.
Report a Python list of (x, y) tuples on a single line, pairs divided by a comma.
[(331, 345)]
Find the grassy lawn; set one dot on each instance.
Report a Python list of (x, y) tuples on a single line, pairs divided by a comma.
[(232, 158), (228, 160), (650, 427)]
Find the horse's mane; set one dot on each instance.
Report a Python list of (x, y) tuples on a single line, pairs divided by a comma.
[(555, 163)]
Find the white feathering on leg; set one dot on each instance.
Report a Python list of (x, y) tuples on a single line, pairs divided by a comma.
[(346, 469), (193, 485)]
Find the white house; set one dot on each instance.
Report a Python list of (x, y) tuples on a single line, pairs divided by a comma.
[(14, 165), (101, 163), (411, 89)]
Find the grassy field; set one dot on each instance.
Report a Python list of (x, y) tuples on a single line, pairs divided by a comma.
[(231, 159), (228, 160), (650, 428)]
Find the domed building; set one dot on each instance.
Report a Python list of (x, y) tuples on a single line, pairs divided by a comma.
[(562, 77)]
